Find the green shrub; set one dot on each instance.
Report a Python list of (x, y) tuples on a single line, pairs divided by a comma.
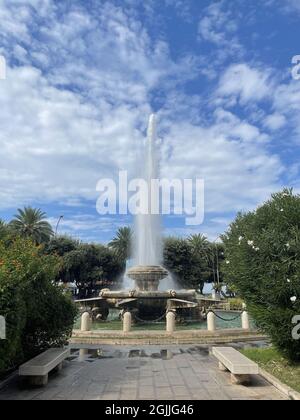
[(37, 313), (236, 304), (183, 264), (263, 264)]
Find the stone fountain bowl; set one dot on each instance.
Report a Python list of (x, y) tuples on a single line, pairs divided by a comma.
[(150, 273)]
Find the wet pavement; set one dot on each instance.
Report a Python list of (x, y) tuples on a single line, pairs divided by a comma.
[(143, 373)]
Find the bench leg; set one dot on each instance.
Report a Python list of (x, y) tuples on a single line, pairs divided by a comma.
[(59, 368), (38, 380), (240, 379), (222, 367)]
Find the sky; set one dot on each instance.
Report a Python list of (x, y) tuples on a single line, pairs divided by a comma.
[(83, 76)]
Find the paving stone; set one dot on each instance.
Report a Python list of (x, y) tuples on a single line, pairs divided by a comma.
[(129, 394), (146, 392), (180, 391), (188, 375), (110, 396), (164, 392), (200, 395)]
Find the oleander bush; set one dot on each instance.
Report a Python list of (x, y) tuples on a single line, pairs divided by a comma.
[(38, 314), (262, 250)]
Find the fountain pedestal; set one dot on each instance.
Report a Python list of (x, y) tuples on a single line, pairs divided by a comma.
[(147, 278)]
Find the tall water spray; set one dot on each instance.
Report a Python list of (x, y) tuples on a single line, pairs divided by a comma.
[(148, 236)]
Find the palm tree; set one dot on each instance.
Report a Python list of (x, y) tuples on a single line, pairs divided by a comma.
[(200, 245), (122, 243), (31, 223), (3, 228)]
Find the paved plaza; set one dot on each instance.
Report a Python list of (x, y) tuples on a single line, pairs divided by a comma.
[(142, 373)]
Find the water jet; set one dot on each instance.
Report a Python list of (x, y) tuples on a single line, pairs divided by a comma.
[(145, 301)]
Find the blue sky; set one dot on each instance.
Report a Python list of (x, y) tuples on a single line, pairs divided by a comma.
[(83, 77)]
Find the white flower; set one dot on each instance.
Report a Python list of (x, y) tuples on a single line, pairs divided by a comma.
[(288, 245), (288, 280), (281, 210), (241, 238), (227, 262), (293, 299), (250, 243), (256, 249)]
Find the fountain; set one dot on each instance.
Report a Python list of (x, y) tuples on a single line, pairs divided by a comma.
[(148, 238), (146, 301), (148, 251)]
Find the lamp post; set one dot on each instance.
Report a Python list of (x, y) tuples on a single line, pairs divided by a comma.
[(57, 225), (216, 271)]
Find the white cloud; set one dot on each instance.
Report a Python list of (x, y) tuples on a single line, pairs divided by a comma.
[(245, 83), (275, 121), (290, 5), (286, 102), (75, 108), (230, 156), (55, 147), (218, 25), (91, 228), (56, 142)]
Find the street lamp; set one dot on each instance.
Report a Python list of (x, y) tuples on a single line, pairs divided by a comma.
[(58, 222), (216, 271)]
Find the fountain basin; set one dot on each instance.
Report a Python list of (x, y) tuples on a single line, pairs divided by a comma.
[(147, 278), (148, 295)]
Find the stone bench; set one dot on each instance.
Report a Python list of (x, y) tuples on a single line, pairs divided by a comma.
[(38, 369), (241, 367)]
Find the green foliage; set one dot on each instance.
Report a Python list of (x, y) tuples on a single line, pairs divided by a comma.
[(263, 265), (183, 263), (61, 245), (37, 313), (200, 245), (31, 223), (236, 304), (209, 255), (122, 244), (90, 266), (272, 361), (194, 261), (3, 229)]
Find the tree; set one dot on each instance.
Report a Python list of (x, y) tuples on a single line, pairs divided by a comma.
[(263, 265), (181, 261), (200, 245), (61, 245), (91, 267), (202, 256), (3, 229), (38, 314), (215, 257), (31, 223), (122, 244)]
